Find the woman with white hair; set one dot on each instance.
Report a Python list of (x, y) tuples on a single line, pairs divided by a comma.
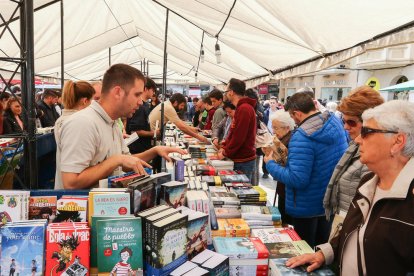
[(282, 126), (377, 235)]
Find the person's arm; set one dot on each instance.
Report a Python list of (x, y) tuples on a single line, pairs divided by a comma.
[(315, 260), (92, 175), (147, 133), (162, 151), (297, 171), (188, 130)]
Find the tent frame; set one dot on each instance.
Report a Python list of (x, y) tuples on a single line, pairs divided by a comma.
[(26, 65)]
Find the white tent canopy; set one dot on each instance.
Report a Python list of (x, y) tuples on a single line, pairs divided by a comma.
[(259, 36)]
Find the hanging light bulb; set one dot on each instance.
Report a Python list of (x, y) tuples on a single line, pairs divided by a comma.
[(202, 54), (218, 53), (195, 77)]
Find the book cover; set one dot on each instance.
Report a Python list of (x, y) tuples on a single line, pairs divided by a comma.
[(71, 209), (67, 250), (196, 231), (231, 228), (11, 206), (288, 249), (169, 240), (173, 194), (143, 193), (42, 207), (111, 204), (260, 212), (22, 250), (119, 245), (94, 240), (277, 267), (227, 213), (241, 248)]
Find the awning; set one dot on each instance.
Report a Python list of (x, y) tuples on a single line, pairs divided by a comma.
[(405, 86)]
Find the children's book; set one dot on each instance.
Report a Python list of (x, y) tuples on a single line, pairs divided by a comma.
[(119, 245)]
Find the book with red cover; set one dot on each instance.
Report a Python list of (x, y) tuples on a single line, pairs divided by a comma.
[(67, 249)]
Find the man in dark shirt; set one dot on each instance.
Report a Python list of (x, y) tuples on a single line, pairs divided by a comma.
[(139, 121), (47, 105)]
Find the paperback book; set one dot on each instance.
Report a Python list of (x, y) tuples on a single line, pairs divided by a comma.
[(42, 207), (22, 249), (119, 246), (173, 193)]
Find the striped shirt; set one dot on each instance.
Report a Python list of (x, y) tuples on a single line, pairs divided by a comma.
[(121, 269)]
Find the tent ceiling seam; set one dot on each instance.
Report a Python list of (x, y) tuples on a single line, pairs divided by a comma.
[(119, 24), (56, 52), (265, 31)]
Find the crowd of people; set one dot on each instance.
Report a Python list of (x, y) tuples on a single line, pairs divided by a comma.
[(344, 172)]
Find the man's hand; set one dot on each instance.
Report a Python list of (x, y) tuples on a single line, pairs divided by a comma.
[(315, 260), (134, 163), (216, 143), (220, 154), (203, 139), (163, 151), (268, 157)]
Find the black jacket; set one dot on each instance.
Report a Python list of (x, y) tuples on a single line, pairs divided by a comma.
[(10, 124), (389, 236), (50, 114)]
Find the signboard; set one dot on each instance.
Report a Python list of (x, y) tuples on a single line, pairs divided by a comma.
[(194, 91), (263, 89), (374, 83)]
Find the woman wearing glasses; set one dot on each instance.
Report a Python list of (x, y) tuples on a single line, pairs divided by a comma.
[(377, 236), (349, 170)]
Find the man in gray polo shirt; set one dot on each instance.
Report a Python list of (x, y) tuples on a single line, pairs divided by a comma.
[(91, 145)]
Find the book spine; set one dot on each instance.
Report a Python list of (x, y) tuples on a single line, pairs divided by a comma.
[(179, 170)]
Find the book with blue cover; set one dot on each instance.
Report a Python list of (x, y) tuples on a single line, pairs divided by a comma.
[(23, 249), (241, 248)]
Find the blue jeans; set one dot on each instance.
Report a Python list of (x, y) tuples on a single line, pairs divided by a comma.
[(247, 168), (314, 230)]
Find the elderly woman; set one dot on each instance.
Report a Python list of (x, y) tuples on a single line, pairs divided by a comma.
[(377, 236), (349, 170), (282, 126)]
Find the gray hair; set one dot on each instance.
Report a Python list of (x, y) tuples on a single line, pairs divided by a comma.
[(398, 116), (332, 106), (284, 118)]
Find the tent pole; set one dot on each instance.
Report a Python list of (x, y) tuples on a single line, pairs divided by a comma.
[(109, 57), (147, 68), (164, 89), (27, 32), (62, 47)]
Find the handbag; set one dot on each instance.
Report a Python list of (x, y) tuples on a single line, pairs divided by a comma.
[(263, 136)]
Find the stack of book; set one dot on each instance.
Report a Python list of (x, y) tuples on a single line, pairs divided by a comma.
[(22, 248), (253, 195), (220, 180), (205, 263), (248, 256), (68, 248), (273, 235), (221, 196), (261, 216), (231, 228), (222, 164), (165, 239), (14, 206)]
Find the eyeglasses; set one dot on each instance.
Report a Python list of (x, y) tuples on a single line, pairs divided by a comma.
[(351, 123), (365, 131)]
